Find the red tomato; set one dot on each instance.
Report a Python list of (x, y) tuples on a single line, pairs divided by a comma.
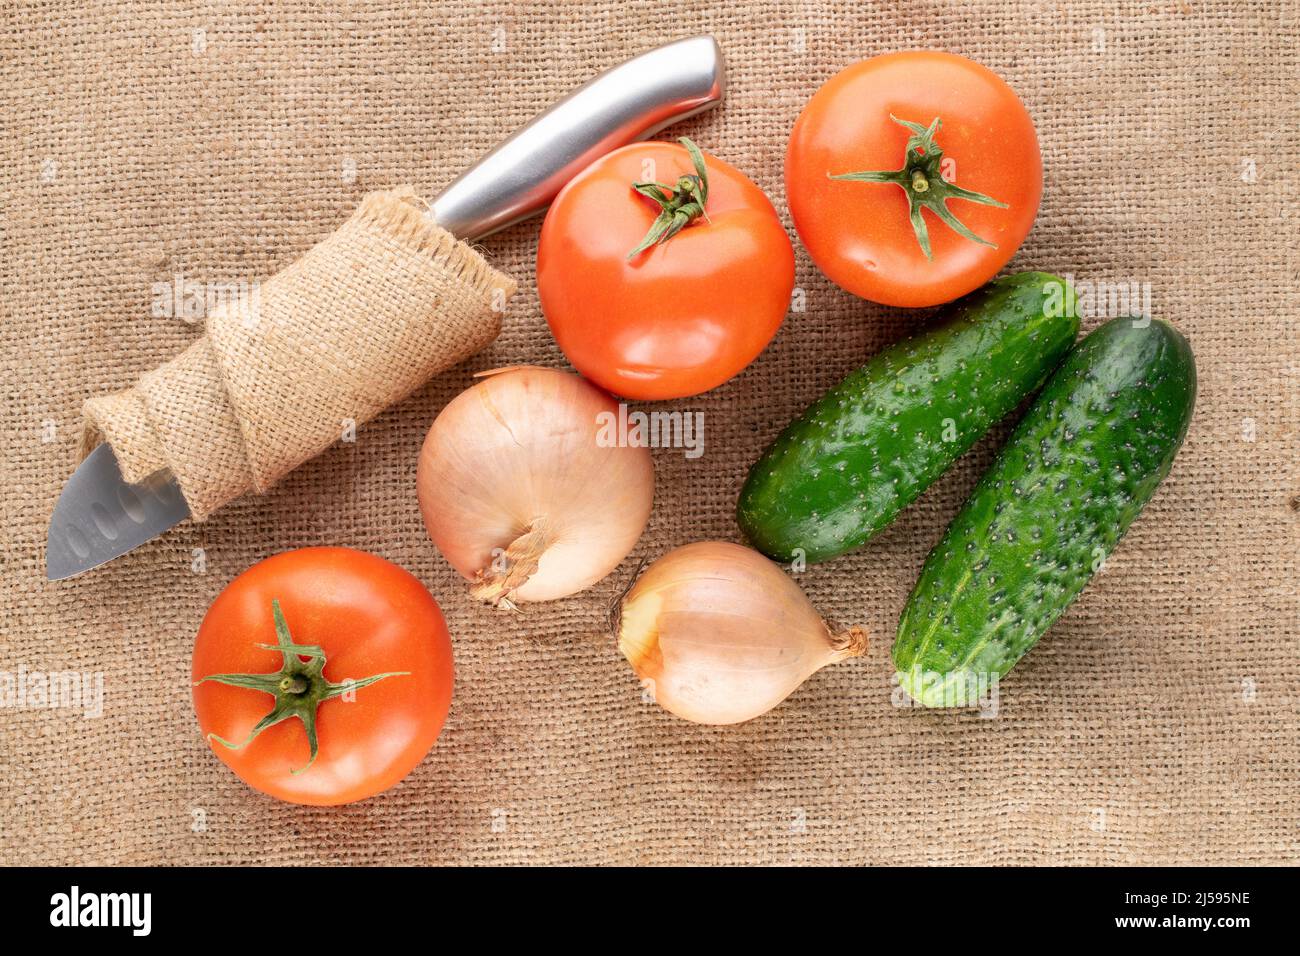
[(370, 618), (859, 233), (682, 316)]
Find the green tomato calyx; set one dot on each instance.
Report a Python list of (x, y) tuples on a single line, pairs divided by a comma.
[(679, 205), (922, 180), (299, 686)]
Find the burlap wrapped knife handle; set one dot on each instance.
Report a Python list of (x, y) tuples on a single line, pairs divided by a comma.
[(357, 323), (378, 307)]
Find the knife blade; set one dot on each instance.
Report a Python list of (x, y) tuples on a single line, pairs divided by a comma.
[(99, 517)]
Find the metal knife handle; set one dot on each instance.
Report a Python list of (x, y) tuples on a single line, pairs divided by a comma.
[(627, 103)]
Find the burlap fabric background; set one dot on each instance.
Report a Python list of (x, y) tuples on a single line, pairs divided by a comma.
[(1158, 722)]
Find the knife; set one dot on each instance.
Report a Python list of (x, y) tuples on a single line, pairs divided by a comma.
[(99, 517)]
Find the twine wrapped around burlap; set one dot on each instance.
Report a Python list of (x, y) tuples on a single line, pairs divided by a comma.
[(356, 324)]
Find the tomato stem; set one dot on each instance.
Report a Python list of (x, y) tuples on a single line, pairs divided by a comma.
[(299, 686), (679, 205), (921, 178)]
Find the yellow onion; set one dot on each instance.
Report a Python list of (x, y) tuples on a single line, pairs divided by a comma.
[(719, 634), (518, 494)]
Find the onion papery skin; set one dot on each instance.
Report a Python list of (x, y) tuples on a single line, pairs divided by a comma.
[(719, 634), (514, 461)]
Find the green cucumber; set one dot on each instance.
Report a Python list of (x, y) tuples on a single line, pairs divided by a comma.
[(1076, 471), (867, 448)]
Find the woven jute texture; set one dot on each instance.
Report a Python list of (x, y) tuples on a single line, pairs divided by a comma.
[(283, 372), (148, 145)]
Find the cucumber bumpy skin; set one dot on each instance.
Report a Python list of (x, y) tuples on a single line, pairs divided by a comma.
[(867, 448), (1075, 473)]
